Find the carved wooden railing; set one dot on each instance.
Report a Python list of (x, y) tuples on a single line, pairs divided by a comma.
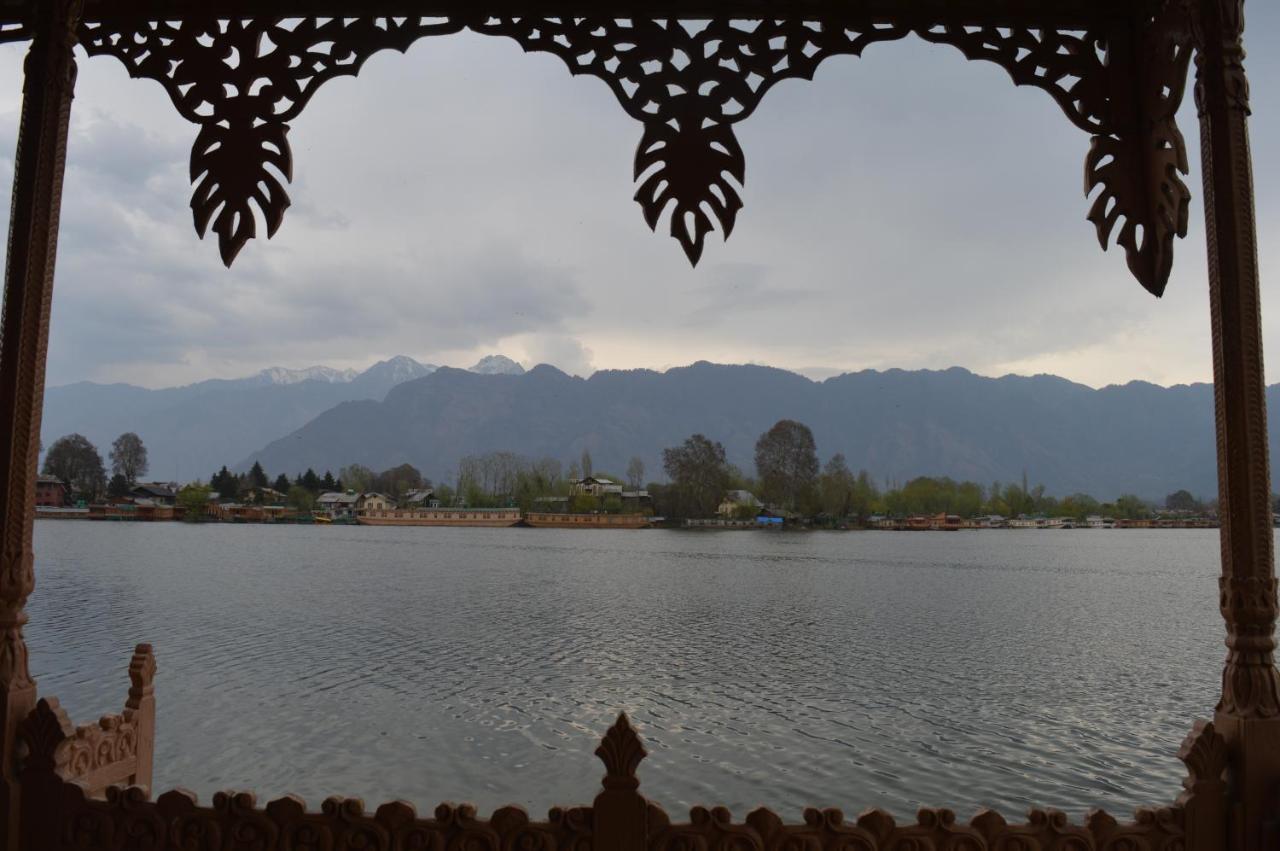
[(117, 750), (86, 789)]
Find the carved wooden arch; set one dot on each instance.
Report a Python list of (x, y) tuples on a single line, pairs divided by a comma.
[(1120, 78)]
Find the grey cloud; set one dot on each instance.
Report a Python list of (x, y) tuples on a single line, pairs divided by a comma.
[(907, 208)]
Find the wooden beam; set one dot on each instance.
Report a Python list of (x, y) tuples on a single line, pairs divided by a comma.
[(985, 12)]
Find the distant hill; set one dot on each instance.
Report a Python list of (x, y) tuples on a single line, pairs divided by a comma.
[(191, 431), (897, 424)]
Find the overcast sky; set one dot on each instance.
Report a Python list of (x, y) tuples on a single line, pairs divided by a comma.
[(906, 209)]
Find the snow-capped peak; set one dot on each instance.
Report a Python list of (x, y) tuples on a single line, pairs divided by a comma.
[(399, 369), (497, 365), (283, 375)]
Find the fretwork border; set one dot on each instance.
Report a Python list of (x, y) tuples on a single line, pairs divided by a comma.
[(688, 82)]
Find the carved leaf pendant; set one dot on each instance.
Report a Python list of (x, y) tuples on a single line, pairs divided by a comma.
[(235, 168), (689, 168)]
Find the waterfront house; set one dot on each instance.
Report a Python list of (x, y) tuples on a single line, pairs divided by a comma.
[(374, 502), (51, 492), (737, 503), (162, 493), (421, 498), (551, 503), (990, 521), (1096, 521), (264, 496), (338, 506), (637, 502), (594, 486)]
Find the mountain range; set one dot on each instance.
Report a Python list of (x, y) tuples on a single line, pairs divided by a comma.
[(193, 430), (1137, 438)]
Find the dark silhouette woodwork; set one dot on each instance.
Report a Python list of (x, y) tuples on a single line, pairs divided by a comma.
[(688, 83), (688, 71), (619, 820)]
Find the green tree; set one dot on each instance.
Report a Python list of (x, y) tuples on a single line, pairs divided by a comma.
[(129, 457), (281, 483), (118, 486), (787, 464), (301, 498), (194, 501), (311, 481), (836, 486), (586, 464), (328, 484), (357, 477), (699, 475), (1182, 501), (397, 481), (225, 484), (1079, 506), (1130, 507), (76, 461), (866, 497), (257, 476)]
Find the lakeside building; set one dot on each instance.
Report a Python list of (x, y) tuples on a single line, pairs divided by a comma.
[(263, 496), (421, 498), (163, 493), (736, 503), (594, 486), (338, 506), (374, 501), (51, 492)]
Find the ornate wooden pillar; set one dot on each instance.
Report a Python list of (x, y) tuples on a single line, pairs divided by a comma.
[(28, 292), (1248, 715)]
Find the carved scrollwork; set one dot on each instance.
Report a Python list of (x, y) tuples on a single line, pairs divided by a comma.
[(100, 754), (1250, 684), (688, 83), (243, 81), (177, 822)]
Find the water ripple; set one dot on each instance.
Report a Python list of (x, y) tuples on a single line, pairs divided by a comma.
[(863, 669)]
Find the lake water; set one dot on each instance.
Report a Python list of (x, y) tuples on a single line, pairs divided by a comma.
[(997, 668)]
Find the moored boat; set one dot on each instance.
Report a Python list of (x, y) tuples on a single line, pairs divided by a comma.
[(565, 520), (440, 517)]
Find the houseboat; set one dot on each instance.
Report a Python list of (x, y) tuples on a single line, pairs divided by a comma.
[(565, 520), (439, 517)]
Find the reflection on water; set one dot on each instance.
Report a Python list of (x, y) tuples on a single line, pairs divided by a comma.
[(1003, 669)]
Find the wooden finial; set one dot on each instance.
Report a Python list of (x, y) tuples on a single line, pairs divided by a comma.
[(621, 751)]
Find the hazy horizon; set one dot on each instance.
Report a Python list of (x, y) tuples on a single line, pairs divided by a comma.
[(816, 374)]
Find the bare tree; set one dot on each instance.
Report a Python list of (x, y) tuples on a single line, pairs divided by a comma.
[(635, 474), (129, 457), (357, 477)]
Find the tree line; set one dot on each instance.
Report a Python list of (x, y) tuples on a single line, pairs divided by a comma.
[(788, 475), (75, 461)]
